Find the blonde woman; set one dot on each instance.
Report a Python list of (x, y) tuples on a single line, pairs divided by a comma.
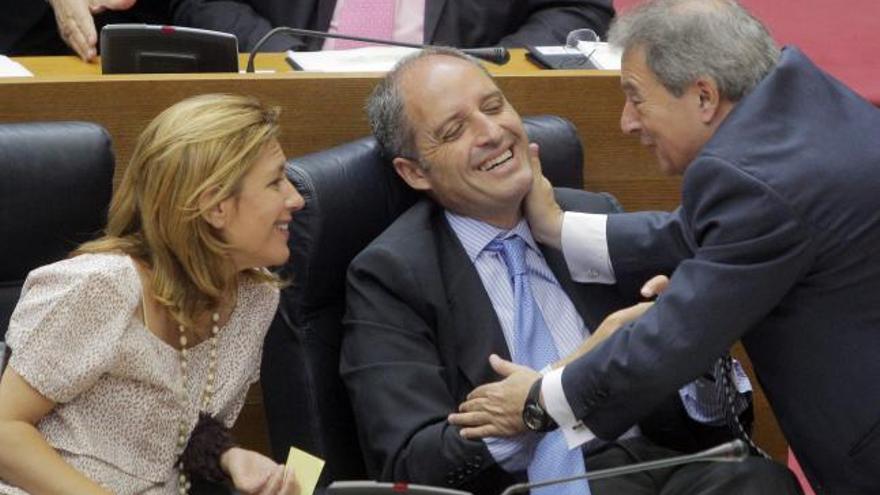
[(117, 350)]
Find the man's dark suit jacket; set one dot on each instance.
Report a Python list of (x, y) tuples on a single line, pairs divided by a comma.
[(458, 23), (418, 333), (778, 239), (27, 19)]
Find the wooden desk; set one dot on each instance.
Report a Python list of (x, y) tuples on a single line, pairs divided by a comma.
[(324, 110), (68, 66)]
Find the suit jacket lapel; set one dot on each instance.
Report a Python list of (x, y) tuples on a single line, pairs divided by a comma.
[(477, 331), (433, 9)]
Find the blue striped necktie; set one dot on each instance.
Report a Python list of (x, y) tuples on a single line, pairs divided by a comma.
[(534, 347)]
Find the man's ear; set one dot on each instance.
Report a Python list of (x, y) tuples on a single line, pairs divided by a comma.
[(216, 215), (710, 99), (412, 173)]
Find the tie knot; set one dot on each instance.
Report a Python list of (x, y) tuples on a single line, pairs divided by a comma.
[(513, 250)]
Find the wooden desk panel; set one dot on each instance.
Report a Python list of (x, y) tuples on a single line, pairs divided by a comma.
[(324, 110)]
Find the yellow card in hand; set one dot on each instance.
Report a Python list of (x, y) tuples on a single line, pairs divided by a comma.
[(307, 468)]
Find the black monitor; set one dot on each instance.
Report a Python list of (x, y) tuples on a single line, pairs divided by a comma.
[(145, 48)]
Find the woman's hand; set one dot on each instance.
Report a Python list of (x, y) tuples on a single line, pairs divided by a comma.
[(254, 473)]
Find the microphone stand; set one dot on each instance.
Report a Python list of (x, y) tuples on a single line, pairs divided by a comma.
[(734, 451), (497, 54)]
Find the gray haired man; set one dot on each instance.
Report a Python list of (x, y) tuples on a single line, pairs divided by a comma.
[(775, 242)]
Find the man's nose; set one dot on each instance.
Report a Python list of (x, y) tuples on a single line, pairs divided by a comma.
[(629, 120), (490, 131)]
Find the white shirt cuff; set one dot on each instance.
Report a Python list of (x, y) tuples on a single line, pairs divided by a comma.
[(585, 247), (574, 431)]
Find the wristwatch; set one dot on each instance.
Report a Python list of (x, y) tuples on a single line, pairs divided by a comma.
[(535, 417)]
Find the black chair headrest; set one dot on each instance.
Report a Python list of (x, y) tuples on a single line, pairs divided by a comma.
[(352, 194), (55, 185), (56, 179)]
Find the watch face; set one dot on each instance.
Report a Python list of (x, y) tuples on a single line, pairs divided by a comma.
[(533, 417)]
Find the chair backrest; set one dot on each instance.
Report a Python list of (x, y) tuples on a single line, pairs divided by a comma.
[(4, 355), (56, 179), (352, 194)]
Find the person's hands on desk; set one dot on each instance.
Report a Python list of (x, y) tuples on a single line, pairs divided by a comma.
[(77, 26)]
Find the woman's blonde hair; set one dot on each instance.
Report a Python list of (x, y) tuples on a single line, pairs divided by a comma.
[(204, 144)]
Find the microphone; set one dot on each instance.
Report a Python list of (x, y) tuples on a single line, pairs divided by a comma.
[(496, 54), (733, 451)]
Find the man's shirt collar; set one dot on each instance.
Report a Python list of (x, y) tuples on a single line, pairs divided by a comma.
[(475, 234)]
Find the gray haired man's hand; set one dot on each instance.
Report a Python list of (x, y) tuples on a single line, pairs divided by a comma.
[(542, 212)]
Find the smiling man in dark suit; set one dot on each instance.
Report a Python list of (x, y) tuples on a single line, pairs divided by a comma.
[(433, 297), (458, 23)]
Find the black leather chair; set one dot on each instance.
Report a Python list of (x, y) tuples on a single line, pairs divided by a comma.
[(56, 179), (352, 193)]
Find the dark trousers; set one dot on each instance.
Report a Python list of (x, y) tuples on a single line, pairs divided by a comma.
[(755, 475)]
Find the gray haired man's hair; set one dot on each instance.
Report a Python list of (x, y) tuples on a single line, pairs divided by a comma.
[(385, 106), (687, 39)]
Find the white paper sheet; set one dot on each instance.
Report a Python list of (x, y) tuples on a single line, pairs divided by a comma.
[(11, 68), (602, 55), (367, 59)]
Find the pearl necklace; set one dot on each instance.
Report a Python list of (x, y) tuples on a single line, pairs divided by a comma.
[(205, 400)]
